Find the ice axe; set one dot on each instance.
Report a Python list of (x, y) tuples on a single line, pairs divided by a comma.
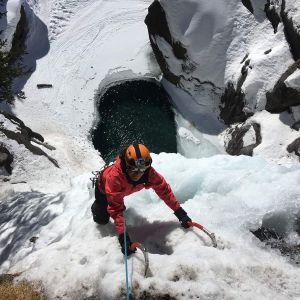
[(207, 232), (144, 250)]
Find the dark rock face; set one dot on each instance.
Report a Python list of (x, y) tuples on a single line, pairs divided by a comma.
[(276, 241), (21, 32), (248, 5), (282, 97), (233, 100), (6, 159), (291, 32), (236, 144), (294, 147), (296, 125), (157, 24), (272, 14)]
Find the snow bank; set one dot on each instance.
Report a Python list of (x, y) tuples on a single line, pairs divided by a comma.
[(75, 49), (218, 36)]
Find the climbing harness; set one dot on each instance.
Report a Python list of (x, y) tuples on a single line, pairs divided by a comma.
[(97, 174), (93, 179)]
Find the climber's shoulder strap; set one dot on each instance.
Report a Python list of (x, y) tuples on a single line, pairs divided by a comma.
[(97, 174)]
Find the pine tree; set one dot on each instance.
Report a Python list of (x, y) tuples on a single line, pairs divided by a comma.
[(10, 68)]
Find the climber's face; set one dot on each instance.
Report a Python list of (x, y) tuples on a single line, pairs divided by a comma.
[(135, 174)]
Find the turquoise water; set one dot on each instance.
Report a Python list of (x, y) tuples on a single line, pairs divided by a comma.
[(134, 112)]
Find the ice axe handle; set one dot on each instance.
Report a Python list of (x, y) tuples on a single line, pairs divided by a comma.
[(210, 234), (196, 225), (145, 253), (134, 245)]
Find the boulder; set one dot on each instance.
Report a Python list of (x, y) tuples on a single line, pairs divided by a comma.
[(244, 138), (291, 31), (294, 147), (283, 96), (248, 5), (6, 159), (273, 14), (157, 25)]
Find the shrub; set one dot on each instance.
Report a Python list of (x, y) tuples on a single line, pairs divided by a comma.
[(22, 290)]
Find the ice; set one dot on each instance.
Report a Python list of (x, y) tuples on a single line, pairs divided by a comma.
[(75, 257)]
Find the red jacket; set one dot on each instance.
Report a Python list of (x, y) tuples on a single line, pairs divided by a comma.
[(114, 182)]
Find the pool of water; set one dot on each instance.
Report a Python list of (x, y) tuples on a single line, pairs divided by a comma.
[(136, 111)]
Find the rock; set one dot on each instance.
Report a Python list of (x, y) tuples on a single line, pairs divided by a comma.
[(296, 126), (272, 14), (232, 109), (291, 31), (273, 239), (6, 159), (157, 24), (265, 234), (282, 96), (33, 239), (276, 14), (294, 147), (248, 5), (244, 139)]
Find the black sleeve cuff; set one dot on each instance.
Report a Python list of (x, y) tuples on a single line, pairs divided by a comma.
[(180, 213)]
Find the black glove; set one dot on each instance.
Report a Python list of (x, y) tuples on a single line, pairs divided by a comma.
[(128, 244), (183, 218)]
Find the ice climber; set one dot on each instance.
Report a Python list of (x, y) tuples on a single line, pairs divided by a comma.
[(131, 172)]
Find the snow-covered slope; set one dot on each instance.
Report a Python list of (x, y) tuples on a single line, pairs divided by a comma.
[(231, 61), (46, 228), (75, 45), (74, 258)]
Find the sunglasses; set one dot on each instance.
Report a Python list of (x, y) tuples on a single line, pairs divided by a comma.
[(141, 163), (136, 170)]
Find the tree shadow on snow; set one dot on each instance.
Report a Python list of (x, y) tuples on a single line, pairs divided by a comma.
[(21, 219)]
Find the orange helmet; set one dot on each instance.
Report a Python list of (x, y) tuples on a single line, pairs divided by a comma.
[(138, 155)]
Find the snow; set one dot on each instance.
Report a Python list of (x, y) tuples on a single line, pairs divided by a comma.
[(81, 47), (226, 33), (235, 41), (281, 136), (76, 258), (250, 137), (293, 81), (75, 60)]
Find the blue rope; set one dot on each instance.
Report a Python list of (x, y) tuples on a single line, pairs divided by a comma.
[(125, 254)]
